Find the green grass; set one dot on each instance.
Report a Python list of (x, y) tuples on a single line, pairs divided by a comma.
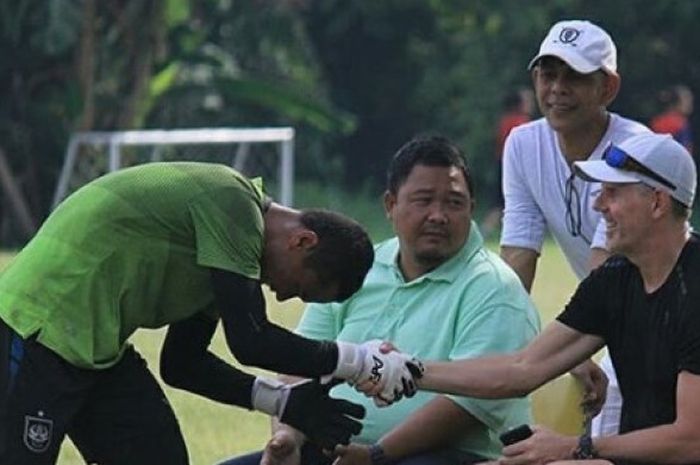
[(215, 431), (554, 283)]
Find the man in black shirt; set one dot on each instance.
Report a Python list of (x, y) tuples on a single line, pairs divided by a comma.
[(642, 303)]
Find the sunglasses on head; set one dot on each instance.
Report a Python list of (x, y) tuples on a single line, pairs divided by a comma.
[(618, 158)]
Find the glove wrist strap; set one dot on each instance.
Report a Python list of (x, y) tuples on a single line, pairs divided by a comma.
[(268, 396), (350, 362)]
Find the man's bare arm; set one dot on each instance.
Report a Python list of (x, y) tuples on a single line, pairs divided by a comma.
[(435, 425), (555, 351), (524, 263)]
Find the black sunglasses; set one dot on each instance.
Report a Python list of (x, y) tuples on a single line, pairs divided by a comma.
[(572, 198), (618, 158)]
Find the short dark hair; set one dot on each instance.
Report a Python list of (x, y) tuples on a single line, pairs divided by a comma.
[(426, 151), (550, 60), (679, 210), (344, 253)]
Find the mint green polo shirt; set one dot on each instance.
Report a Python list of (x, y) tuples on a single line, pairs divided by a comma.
[(132, 250), (471, 306)]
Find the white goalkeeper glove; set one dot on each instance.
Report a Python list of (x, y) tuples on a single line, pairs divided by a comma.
[(363, 364)]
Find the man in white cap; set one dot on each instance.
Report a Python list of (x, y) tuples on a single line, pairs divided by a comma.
[(575, 79), (641, 303)]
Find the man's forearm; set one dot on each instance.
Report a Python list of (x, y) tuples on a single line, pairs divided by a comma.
[(660, 444), (677, 442), (557, 350), (523, 262), (434, 426), (186, 363), (254, 340), (496, 377)]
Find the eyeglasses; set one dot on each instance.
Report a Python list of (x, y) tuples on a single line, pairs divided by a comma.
[(572, 198), (618, 158)]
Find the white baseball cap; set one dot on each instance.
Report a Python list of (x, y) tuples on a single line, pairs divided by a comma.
[(661, 162), (580, 44)]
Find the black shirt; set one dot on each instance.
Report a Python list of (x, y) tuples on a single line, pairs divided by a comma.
[(650, 337)]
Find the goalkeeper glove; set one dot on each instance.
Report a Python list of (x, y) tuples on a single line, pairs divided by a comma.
[(307, 407)]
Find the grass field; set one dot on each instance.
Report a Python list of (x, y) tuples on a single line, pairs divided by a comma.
[(214, 431)]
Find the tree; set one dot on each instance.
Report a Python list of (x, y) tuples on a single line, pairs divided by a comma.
[(356, 78), (69, 65), (406, 67)]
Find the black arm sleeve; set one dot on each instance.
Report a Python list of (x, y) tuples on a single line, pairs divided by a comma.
[(185, 363), (254, 340)]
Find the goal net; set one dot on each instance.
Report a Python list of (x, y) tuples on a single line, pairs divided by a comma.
[(266, 152)]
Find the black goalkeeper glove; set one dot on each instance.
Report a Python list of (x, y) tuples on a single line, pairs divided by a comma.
[(307, 407)]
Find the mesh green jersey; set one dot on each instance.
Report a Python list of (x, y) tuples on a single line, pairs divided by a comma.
[(131, 250)]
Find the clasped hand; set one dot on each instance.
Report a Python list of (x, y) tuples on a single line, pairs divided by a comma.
[(387, 375)]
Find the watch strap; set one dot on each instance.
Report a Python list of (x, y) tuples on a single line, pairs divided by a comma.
[(377, 455), (585, 448)]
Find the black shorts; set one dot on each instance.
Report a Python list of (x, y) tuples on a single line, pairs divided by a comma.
[(115, 416)]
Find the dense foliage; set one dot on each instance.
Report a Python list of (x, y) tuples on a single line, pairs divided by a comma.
[(356, 78)]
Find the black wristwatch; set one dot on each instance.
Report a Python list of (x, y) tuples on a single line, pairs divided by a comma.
[(377, 455), (585, 448)]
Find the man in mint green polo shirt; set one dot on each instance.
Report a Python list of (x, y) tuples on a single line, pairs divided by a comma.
[(436, 293), (184, 245)]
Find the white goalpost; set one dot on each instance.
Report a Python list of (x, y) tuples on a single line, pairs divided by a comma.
[(112, 159)]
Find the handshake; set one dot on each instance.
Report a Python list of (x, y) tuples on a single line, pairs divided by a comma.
[(375, 370), (378, 372)]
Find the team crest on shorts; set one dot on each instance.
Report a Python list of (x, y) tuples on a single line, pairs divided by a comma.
[(37, 433)]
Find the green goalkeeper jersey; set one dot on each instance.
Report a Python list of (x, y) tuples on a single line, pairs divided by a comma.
[(129, 250)]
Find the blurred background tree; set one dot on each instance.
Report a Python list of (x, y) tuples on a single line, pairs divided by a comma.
[(355, 78)]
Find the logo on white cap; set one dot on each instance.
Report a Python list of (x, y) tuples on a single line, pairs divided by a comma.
[(582, 45), (568, 35)]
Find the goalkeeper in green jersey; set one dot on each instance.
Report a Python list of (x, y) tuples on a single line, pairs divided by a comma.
[(183, 245)]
